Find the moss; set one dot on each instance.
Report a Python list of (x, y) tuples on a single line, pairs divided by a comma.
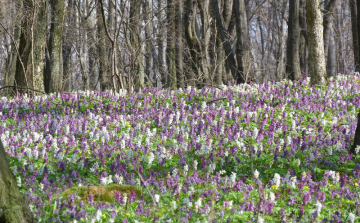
[(101, 193)]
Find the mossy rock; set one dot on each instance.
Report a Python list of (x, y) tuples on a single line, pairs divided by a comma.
[(101, 193)]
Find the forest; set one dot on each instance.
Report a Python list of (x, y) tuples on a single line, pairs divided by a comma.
[(70, 45), (179, 111)]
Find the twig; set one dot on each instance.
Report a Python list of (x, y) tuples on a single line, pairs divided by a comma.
[(333, 129), (28, 88), (142, 179), (217, 99)]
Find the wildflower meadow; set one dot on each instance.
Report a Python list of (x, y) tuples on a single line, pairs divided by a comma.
[(269, 152)]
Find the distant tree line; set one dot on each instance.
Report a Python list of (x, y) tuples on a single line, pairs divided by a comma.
[(66, 45)]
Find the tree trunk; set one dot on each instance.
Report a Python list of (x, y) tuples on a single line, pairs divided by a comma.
[(162, 79), (136, 57), (39, 34), (149, 42), (170, 49), (328, 19), (293, 42), (303, 39), (67, 45), (54, 65), (243, 45), (192, 39), (229, 53), (205, 59), (13, 207), (94, 83), (179, 45), (317, 66), (355, 34), (102, 51), (331, 60), (280, 61), (23, 63), (357, 131), (13, 57)]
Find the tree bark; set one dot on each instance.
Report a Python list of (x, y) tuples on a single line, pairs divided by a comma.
[(355, 37), (280, 60), (317, 66), (54, 63), (243, 44), (192, 39), (23, 63), (303, 39), (293, 42), (103, 51), (149, 68), (179, 45), (13, 207), (331, 60), (170, 46), (94, 83), (136, 57), (67, 45), (229, 53), (162, 78), (328, 19)]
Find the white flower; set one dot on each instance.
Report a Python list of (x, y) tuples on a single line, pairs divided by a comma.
[(173, 204), (256, 174), (98, 215), (318, 207), (233, 178), (198, 203), (255, 133), (18, 181), (293, 182), (357, 149), (157, 198), (151, 159), (351, 218), (276, 179), (260, 220), (272, 196), (195, 164)]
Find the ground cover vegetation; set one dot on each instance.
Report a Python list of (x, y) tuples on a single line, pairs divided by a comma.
[(270, 152)]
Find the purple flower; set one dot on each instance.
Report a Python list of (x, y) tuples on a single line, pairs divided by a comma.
[(307, 197)]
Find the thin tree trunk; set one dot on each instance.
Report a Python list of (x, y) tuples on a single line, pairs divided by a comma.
[(23, 63), (192, 40), (162, 79), (170, 49), (317, 66), (13, 57), (54, 69), (179, 45), (229, 53), (303, 38), (243, 45), (280, 61), (149, 42), (102, 51), (68, 31), (355, 37), (10, 196), (331, 61), (328, 19), (94, 83), (137, 58), (293, 43)]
